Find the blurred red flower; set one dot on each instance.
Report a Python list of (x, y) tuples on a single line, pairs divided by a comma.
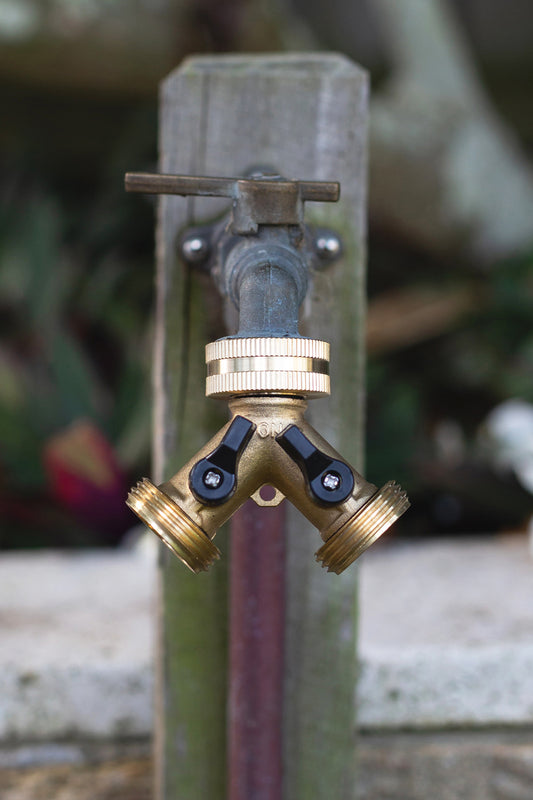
[(86, 479)]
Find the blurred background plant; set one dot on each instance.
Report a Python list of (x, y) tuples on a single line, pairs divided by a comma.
[(76, 279), (450, 258)]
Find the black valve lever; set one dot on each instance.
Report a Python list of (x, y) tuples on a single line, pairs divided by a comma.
[(330, 481), (212, 480)]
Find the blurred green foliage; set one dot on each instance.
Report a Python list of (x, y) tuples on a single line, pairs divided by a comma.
[(457, 377), (76, 292), (76, 277)]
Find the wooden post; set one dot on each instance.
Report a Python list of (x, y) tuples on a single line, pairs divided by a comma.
[(306, 116)]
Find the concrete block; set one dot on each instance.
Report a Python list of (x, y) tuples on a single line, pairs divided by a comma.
[(76, 645), (446, 640), (446, 634)]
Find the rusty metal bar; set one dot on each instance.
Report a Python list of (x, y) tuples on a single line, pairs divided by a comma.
[(153, 183), (179, 184), (324, 191), (257, 619)]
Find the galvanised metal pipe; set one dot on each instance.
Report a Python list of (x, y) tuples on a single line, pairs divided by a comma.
[(266, 277), (268, 302), (257, 623)]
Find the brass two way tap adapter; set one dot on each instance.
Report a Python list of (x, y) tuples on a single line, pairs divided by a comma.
[(267, 372)]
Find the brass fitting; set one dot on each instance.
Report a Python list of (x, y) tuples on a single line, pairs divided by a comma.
[(268, 442), (267, 365), (260, 257)]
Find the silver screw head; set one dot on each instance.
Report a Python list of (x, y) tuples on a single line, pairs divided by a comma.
[(331, 481), (328, 246), (212, 479), (195, 249)]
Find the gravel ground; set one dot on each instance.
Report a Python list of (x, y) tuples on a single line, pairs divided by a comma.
[(117, 780)]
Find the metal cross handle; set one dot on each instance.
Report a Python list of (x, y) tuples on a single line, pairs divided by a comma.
[(262, 200)]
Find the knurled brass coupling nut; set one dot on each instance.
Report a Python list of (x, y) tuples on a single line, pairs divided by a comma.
[(267, 365)]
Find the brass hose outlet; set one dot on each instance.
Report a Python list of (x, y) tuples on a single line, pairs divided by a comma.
[(351, 540), (267, 441), (175, 529)]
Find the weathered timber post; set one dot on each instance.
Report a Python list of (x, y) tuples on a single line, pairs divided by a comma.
[(305, 116)]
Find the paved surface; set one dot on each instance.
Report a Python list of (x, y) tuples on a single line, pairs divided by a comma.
[(446, 640), (111, 780), (76, 645), (446, 634)]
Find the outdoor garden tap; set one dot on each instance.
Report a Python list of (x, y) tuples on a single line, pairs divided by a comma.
[(261, 257)]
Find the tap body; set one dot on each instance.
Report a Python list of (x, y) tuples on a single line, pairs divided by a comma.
[(261, 257)]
